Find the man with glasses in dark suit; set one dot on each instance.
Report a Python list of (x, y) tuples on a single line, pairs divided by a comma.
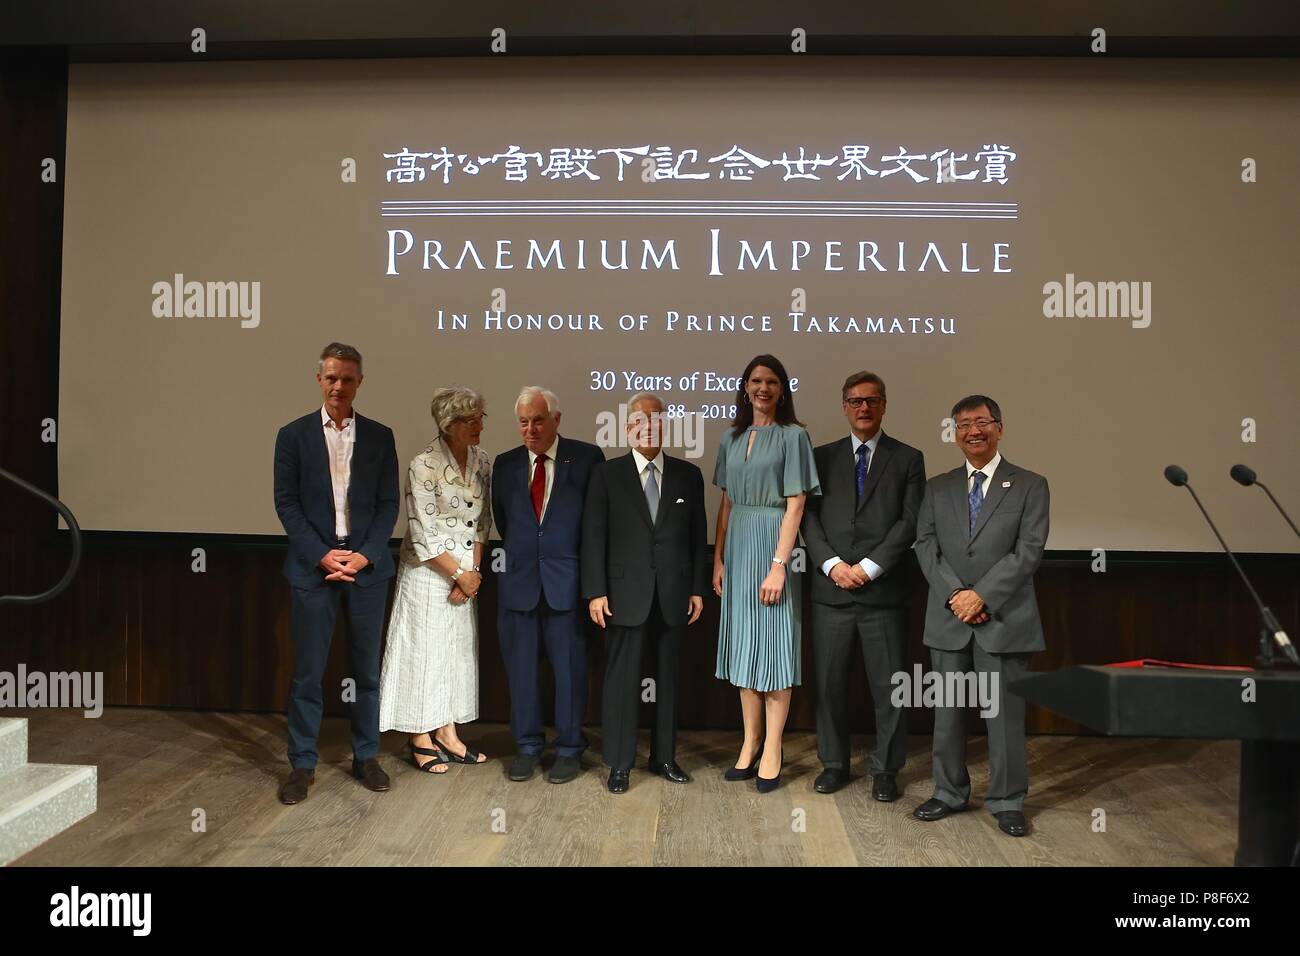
[(859, 534)]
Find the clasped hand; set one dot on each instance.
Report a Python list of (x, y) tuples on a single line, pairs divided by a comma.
[(849, 576), (968, 607), (341, 565)]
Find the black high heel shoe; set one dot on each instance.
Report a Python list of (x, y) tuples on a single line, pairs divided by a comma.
[(745, 773), (765, 784)]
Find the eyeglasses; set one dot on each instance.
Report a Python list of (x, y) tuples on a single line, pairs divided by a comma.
[(871, 401), (980, 423)]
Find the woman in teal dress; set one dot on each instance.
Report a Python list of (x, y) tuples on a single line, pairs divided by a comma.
[(766, 471)]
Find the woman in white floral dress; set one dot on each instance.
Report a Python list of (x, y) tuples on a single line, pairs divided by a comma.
[(429, 682)]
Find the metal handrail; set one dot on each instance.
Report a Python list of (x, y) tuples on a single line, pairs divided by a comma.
[(62, 509)]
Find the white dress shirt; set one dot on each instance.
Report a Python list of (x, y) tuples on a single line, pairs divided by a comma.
[(641, 462), (548, 467), (870, 567), (988, 470), (339, 442)]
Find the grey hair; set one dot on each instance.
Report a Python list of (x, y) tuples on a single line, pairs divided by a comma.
[(530, 392), (338, 350), (645, 397), (452, 402)]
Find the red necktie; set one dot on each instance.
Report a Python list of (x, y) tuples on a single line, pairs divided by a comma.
[(538, 487)]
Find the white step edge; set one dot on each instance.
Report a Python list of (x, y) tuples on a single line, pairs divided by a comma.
[(39, 801), (13, 743)]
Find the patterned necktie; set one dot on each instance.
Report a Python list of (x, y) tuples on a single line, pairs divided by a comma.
[(863, 461), (538, 487), (976, 497), (651, 490)]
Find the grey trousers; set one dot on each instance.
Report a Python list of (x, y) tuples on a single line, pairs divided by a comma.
[(1008, 765)]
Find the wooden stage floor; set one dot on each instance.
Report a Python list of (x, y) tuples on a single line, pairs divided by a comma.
[(1166, 802)]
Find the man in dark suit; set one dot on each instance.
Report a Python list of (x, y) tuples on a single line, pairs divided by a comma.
[(859, 534), (336, 494), (980, 538), (538, 492), (644, 571)]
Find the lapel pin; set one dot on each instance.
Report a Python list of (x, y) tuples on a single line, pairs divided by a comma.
[(1006, 484), (681, 501)]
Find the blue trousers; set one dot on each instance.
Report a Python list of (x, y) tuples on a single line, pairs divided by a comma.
[(313, 614), (524, 635)]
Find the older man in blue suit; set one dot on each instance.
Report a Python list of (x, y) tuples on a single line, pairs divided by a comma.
[(336, 494), (538, 493)]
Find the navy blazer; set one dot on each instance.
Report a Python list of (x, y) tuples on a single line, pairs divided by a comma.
[(304, 498), (542, 558)]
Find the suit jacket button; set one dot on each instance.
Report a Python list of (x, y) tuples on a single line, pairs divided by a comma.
[(970, 554)]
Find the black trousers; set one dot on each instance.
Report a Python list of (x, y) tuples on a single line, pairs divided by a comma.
[(882, 634), (624, 650)]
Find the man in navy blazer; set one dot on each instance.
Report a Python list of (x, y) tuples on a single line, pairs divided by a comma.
[(538, 493), (336, 494)]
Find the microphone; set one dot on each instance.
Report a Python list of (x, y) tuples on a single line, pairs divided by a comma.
[(1272, 630), (1246, 477)]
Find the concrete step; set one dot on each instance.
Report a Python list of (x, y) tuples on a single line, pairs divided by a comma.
[(13, 744), (38, 801)]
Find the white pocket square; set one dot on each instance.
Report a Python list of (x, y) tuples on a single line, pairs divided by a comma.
[(680, 501)]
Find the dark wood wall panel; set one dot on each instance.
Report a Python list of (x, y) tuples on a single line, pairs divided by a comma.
[(169, 637)]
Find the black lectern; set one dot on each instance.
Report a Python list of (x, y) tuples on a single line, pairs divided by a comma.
[(1207, 705)]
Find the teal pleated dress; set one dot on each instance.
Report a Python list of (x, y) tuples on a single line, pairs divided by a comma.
[(758, 645)]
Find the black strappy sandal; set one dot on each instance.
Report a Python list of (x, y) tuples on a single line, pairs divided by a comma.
[(471, 755), (437, 761)]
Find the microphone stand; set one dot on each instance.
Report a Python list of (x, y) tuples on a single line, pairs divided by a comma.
[(1270, 628)]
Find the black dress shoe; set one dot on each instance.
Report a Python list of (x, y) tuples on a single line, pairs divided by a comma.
[(370, 774), (618, 781), (294, 790), (831, 779), (936, 809), (670, 770), (564, 770), (884, 787), (1012, 822), (522, 767)]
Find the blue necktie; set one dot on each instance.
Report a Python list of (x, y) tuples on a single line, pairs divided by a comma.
[(863, 455), (651, 490), (976, 497)]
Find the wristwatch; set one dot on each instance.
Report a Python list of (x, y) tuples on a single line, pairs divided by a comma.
[(778, 561)]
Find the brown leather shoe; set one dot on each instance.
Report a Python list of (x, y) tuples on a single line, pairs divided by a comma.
[(370, 775), (294, 790)]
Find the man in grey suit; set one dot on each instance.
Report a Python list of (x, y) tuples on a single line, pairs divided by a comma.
[(980, 538), (859, 532)]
